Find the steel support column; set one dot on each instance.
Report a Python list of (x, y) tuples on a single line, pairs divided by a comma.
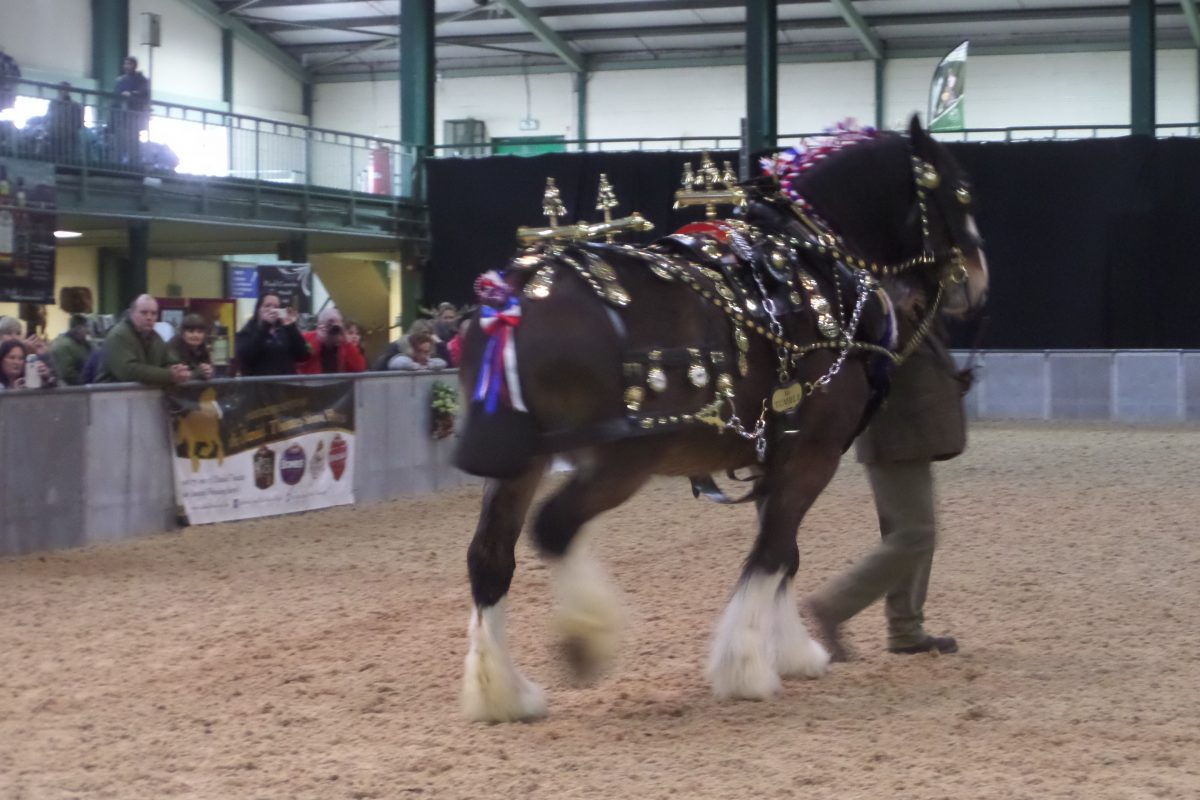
[(880, 96), (416, 87), (135, 278), (227, 66), (1141, 67), (581, 106), (762, 74), (110, 40)]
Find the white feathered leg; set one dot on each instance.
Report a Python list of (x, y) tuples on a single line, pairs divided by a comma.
[(493, 689), (796, 653), (588, 614), (743, 659)]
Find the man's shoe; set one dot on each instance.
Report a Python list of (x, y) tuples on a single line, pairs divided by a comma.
[(826, 631), (942, 644)]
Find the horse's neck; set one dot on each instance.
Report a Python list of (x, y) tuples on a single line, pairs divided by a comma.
[(868, 201)]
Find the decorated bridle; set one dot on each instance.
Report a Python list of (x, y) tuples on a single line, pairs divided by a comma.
[(824, 241)]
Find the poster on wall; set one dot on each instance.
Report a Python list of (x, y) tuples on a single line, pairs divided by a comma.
[(257, 449), (291, 283), (27, 221), (947, 89)]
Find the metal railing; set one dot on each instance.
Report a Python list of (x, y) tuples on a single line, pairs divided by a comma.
[(615, 145), (94, 129)]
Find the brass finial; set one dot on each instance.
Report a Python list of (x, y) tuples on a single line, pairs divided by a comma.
[(689, 177), (606, 201), (552, 204), (728, 176), (709, 175)]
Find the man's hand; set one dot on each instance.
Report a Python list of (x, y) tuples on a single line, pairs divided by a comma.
[(43, 371), (180, 373), (35, 344), (205, 370)]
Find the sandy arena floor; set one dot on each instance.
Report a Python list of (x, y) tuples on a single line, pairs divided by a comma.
[(319, 655)]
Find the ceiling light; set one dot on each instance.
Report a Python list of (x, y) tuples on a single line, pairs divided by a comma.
[(67, 234)]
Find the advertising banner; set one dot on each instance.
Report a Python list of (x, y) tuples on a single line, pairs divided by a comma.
[(292, 284), (947, 89), (27, 218), (254, 449)]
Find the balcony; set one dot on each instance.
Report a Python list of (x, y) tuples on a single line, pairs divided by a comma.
[(190, 164)]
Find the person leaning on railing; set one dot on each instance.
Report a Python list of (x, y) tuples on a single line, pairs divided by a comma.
[(190, 347), (270, 343), (134, 352), (70, 351)]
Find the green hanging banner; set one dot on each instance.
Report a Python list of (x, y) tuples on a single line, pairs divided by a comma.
[(946, 91)]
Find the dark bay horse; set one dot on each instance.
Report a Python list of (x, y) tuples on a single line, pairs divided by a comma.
[(759, 342)]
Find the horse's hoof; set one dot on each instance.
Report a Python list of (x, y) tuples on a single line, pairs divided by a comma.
[(512, 698)]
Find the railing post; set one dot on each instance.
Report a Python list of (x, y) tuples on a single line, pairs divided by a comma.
[(257, 173)]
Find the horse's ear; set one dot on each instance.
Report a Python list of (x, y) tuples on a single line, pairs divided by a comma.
[(915, 132)]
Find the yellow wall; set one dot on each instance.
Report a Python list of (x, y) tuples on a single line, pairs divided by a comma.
[(198, 278), (361, 293), (73, 266)]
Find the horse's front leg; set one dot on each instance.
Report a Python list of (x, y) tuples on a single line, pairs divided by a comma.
[(760, 636), (493, 689)]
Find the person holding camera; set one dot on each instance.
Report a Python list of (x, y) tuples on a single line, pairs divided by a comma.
[(331, 349), (270, 343), (20, 369)]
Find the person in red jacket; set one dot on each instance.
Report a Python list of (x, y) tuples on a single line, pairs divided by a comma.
[(330, 350)]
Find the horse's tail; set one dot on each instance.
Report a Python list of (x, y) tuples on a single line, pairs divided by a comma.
[(541, 370), (500, 437)]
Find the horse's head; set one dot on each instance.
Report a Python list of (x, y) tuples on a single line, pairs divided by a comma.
[(902, 205), (949, 231)]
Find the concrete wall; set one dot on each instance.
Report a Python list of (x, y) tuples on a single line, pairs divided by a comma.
[(52, 40), (93, 464), (1049, 89), (1104, 385)]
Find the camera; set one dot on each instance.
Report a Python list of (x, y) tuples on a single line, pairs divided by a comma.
[(334, 330)]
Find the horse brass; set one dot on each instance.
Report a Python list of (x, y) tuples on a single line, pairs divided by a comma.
[(787, 397)]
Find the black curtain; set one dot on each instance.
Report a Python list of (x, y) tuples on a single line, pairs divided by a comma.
[(1092, 244)]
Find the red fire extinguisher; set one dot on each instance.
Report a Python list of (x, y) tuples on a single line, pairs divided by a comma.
[(381, 171)]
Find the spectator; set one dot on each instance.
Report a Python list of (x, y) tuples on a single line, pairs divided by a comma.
[(454, 346), (446, 323), (190, 347), (66, 121), (330, 350), (131, 113), (70, 351), (354, 337), (134, 352), (401, 346), (270, 343), (10, 331), (420, 357), (12, 365)]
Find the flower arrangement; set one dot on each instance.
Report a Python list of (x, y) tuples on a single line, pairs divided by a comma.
[(444, 405)]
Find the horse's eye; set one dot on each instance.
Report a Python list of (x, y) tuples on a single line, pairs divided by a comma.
[(964, 195)]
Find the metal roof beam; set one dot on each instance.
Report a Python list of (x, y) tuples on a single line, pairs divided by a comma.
[(542, 31), (1193, 19), (598, 63), (860, 27), (209, 10), (819, 23)]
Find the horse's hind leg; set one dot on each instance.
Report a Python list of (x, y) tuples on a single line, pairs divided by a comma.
[(493, 689), (760, 635), (588, 613)]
